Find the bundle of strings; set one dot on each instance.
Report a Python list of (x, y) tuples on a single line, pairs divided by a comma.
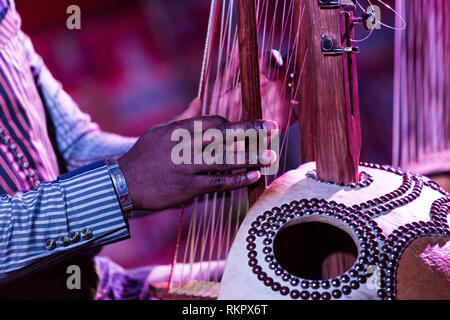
[(421, 128), (207, 229)]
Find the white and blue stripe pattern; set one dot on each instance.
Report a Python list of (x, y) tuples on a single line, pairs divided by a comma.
[(81, 199), (84, 198)]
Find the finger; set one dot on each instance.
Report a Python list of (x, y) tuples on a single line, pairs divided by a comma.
[(230, 69), (236, 128), (200, 123), (192, 111), (271, 65), (215, 183), (212, 138), (237, 160), (228, 132)]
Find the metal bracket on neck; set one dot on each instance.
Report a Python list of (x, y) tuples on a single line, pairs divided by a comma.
[(334, 4), (328, 46), (328, 4), (368, 20)]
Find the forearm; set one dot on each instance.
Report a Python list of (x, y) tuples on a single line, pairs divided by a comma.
[(95, 145), (79, 140), (80, 210)]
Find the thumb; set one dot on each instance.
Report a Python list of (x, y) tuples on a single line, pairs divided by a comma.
[(271, 65), (193, 110)]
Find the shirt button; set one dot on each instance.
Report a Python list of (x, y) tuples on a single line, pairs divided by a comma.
[(64, 241), (86, 233), (50, 244), (74, 236), (26, 165), (37, 184)]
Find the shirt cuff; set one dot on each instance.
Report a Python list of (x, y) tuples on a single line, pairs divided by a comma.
[(93, 210)]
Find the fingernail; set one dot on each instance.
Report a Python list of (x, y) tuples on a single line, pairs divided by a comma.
[(253, 175), (272, 63), (268, 157), (270, 125)]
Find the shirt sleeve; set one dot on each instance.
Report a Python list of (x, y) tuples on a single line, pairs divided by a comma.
[(78, 138), (38, 228)]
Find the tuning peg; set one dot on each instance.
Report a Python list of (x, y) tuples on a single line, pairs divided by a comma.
[(368, 20), (328, 45)]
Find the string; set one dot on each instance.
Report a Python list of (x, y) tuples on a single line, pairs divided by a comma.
[(378, 21), (177, 242), (403, 22), (228, 228), (291, 65), (213, 224), (225, 25), (421, 89), (403, 25), (363, 39), (214, 11), (220, 236)]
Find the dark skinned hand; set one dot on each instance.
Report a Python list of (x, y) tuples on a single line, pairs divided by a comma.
[(155, 182)]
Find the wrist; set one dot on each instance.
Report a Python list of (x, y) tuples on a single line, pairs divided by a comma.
[(121, 187)]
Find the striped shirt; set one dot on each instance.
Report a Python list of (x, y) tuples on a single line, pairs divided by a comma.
[(40, 209)]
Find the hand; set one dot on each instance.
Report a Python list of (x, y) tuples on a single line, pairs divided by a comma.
[(193, 110), (155, 182), (275, 93)]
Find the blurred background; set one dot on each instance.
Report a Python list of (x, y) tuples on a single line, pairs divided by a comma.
[(137, 63)]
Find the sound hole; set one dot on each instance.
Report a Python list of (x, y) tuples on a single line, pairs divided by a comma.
[(314, 250)]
